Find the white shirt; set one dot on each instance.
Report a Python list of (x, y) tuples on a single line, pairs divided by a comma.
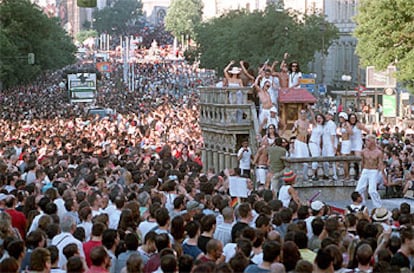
[(244, 162), (87, 226), (229, 251), (328, 131), (114, 219), (223, 233), (60, 204), (294, 79), (63, 239), (35, 222), (145, 227)]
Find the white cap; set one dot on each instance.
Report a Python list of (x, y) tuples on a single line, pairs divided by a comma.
[(343, 115), (273, 109), (317, 205)]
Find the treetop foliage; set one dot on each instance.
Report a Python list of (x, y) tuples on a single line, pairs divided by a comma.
[(257, 36), (183, 16), (385, 33), (24, 29), (117, 18)]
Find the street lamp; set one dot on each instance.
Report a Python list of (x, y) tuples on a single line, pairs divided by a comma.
[(346, 78)]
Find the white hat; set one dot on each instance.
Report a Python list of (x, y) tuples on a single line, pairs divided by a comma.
[(317, 205), (273, 109), (332, 113), (381, 214), (343, 115), (234, 70)]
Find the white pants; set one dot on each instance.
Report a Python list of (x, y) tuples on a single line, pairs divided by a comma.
[(301, 150), (369, 179), (328, 150), (261, 175), (264, 113), (315, 150)]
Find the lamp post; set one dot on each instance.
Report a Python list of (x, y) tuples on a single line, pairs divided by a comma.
[(346, 78)]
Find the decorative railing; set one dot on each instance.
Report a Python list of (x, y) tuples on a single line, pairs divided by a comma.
[(297, 164)]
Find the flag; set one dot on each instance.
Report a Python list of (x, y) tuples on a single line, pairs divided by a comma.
[(234, 202)]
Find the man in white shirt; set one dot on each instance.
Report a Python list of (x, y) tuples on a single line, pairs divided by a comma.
[(223, 230), (244, 156), (329, 143), (68, 227), (115, 214)]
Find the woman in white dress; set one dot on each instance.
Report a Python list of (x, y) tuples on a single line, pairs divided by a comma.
[(294, 75), (315, 139), (345, 131), (356, 138)]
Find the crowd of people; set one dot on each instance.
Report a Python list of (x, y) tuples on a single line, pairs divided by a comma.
[(128, 192)]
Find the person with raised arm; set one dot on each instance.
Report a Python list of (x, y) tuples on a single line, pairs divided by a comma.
[(315, 139)]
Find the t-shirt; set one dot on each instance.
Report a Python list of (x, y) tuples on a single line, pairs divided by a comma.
[(202, 243), (237, 229), (87, 247), (275, 158), (253, 268), (401, 260), (193, 251)]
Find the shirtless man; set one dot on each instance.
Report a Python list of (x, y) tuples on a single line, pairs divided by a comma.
[(302, 128), (264, 97), (372, 166), (283, 75), (260, 161)]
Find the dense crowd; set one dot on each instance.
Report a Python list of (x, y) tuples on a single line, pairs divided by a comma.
[(128, 192)]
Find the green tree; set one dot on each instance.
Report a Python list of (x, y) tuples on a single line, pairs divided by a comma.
[(24, 29), (117, 18), (81, 36), (385, 32), (261, 35), (183, 16)]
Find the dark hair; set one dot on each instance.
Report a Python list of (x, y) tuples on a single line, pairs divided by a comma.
[(317, 226), (162, 241), (98, 228), (245, 246), (192, 228), (185, 263), (162, 216), (168, 263), (271, 250), (98, 255), (15, 248), (207, 222), (70, 250), (54, 253), (177, 227), (74, 265), (131, 241), (324, 259), (108, 238)]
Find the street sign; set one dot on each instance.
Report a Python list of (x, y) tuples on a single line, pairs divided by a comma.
[(308, 82), (389, 106), (381, 79)]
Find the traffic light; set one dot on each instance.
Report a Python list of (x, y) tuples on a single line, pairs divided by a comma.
[(31, 58), (86, 3)]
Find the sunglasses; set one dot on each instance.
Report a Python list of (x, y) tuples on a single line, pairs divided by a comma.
[(294, 65), (267, 86)]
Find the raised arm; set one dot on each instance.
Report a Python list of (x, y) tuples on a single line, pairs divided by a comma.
[(250, 76), (226, 69), (313, 119)]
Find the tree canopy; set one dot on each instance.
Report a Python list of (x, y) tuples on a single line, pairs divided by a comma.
[(117, 18), (24, 29), (261, 35), (183, 16), (385, 32)]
